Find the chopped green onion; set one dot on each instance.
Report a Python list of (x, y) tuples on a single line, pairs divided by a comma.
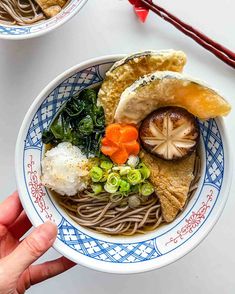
[(112, 183), (124, 170), (134, 177), (96, 174), (105, 164), (146, 189), (113, 179), (104, 177), (124, 186), (117, 167), (133, 160), (145, 172), (97, 188), (121, 180), (110, 189)]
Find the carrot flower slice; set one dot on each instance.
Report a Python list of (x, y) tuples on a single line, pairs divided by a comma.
[(120, 142), (112, 132), (132, 147), (108, 147), (120, 156), (128, 133)]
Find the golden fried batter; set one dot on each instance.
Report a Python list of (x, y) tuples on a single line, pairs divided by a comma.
[(124, 72)]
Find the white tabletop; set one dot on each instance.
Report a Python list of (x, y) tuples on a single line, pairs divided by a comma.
[(106, 27)]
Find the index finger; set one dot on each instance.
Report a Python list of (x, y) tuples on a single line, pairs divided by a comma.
[(10, 209)]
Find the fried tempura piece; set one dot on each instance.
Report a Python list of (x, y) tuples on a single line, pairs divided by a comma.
[(124, 72)]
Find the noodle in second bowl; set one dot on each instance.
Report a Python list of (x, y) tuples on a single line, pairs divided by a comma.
[(24, 12), (24, 19), (18, 12)]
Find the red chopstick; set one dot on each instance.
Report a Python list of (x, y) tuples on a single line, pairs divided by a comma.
[(215, 48)]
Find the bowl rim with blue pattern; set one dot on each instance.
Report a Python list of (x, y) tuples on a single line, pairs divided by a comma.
[(30, 31), (99, 251)]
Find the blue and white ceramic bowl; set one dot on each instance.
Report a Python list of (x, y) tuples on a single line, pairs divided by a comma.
[(30, 31), (118, 254)]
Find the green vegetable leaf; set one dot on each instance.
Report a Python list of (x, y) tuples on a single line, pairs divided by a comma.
[(79, 121), (47, 137), (57, 128), (85, 126)]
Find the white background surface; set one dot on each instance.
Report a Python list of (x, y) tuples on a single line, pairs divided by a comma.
[(106, 27)]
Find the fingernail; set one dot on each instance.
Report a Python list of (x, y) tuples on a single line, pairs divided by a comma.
[(48, 230)]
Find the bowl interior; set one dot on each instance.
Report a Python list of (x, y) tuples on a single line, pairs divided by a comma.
[(29, 31), (117, 254)]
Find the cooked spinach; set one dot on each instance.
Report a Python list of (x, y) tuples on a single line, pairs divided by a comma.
[(80, 121)]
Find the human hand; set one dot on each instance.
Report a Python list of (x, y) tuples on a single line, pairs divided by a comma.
[(17, 273)]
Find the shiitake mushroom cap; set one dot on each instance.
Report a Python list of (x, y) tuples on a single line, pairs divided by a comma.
[(170, 133)]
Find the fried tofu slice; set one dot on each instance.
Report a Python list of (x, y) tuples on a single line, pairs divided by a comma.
[(127, 70), (51, 7), (171, 180)]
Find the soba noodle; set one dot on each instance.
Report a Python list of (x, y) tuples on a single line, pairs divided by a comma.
[(20, 12), (110, 218), (116, 219)]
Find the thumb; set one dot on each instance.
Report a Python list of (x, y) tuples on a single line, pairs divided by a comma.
[(31, 248)]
